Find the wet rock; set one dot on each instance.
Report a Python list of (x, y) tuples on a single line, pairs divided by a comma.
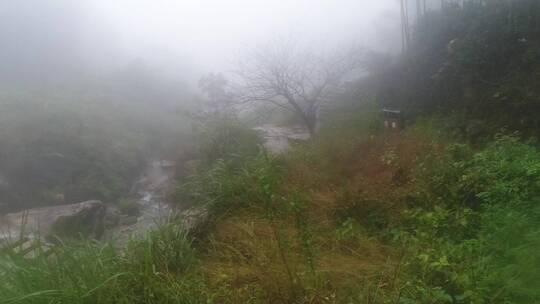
[(83, 219), (278, 139), (128, 220), (112, 218), (86, 220)]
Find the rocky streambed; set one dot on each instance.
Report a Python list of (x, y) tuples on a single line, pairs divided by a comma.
[(150, 192), (96, 219), (105, 221)]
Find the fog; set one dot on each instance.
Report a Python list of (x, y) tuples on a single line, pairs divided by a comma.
[(117, 83), (208, 34), (269, 151), (45, 39)]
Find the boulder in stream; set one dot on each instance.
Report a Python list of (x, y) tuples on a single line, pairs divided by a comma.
[(67, 221)]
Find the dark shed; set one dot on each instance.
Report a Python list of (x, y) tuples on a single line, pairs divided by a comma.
[(393, 119)]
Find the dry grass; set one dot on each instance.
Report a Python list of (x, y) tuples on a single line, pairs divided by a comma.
[(244, 254), (257, 257)]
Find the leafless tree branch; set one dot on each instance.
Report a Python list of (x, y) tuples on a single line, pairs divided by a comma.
[(297, 80)]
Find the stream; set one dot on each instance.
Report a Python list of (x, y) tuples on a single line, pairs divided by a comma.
[(150, 191), (152, 186)]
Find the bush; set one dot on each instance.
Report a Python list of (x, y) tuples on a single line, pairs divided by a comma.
[(227, 140), (129, 207), (155, 269), (370, 214), (225, 186), (473, 239)]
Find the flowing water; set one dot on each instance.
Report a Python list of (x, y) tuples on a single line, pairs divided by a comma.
[(150, 191)]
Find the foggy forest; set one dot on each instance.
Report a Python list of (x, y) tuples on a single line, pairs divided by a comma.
[(264, 151)]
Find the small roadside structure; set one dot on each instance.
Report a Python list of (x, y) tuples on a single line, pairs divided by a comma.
[(393, 119)]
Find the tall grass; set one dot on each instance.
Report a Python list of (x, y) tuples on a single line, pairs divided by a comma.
[(266, 242), (400, 218), (155, 269)]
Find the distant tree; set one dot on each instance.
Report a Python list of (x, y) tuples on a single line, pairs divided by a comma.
[(295, 79), (214, 86), (219, 101)]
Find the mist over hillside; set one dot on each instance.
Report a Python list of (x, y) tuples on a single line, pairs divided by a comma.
[(261, 151)]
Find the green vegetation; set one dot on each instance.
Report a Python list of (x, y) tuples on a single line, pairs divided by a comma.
[(472, 222), (416, 219), (156, 269), (447, 211), (478, 63), (226, 139), (129, 207)]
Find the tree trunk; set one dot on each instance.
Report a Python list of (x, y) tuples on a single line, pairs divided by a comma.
[(309, 116), (311, 124)]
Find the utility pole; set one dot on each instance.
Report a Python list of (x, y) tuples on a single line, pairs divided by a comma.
[(418, 11), (405, 36)]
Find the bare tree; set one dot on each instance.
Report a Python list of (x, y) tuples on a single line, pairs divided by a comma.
[(289, 77), (218, 101)]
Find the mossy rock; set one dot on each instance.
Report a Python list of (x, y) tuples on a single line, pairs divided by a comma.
[(86, 222)]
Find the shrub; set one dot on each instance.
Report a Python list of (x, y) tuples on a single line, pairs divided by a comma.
[(129, 207), (154, 269), (473, 238), (370, 214), (224, 186), (227, 140)]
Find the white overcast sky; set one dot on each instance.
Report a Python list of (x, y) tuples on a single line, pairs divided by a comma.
[(185, 37), (210, 33)]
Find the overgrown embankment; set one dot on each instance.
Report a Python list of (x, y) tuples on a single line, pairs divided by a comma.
[(352, 216), (364, 217)]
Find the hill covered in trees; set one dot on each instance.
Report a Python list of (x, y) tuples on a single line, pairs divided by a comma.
[(475, 63)]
